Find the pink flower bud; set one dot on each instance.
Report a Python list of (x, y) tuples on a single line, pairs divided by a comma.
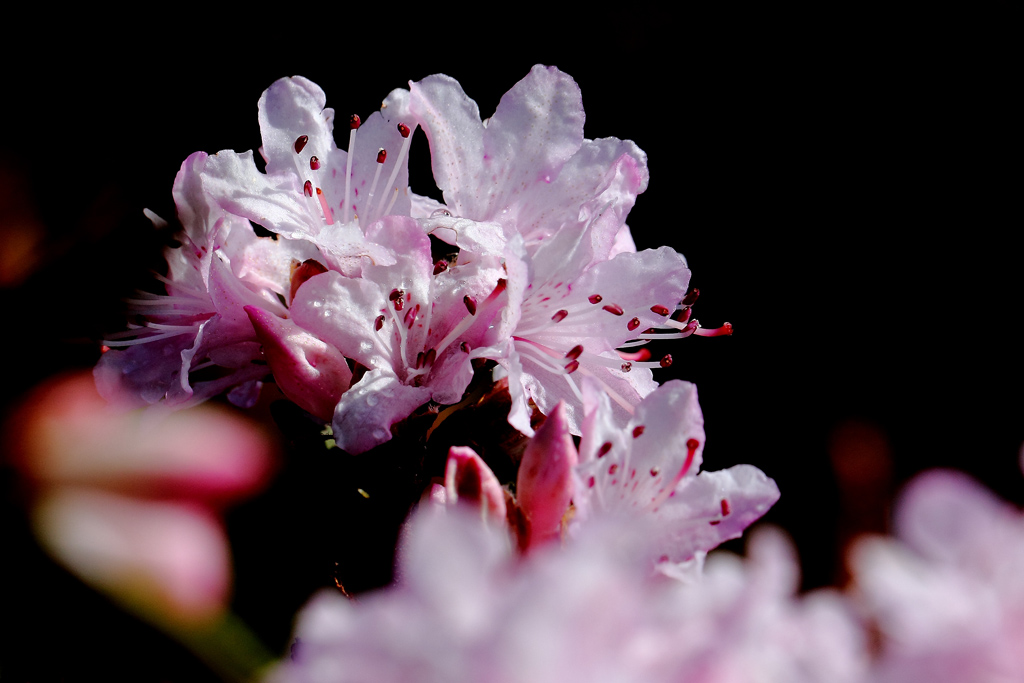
[(308, 371), (467, 478), (545, 485)]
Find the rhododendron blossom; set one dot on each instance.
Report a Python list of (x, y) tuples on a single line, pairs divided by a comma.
[(649, 469)]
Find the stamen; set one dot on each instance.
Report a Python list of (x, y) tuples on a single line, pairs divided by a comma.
[(307, 189), (722, 331), (328, 216), (574, 352), (300, 143), (633, 324), (406, 141), (626, 367), (381, 158), (637, 431), (559, 316), (572, 366), (470, 304), (378, 323), (595, 298), (314, 163), (691, 298), (353, 123), (440, 267), (666, 361), (659, 310)]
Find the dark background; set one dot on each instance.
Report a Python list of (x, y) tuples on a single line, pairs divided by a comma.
[(835, 182)]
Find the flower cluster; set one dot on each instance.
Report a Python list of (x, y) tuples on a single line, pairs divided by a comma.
[(321, 273)]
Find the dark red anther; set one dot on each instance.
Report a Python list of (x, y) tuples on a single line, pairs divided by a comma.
[(319, 191), (595, 298), (659, 310), (470, 304), (440, 266), (613, 468), (403, 129), (300, 142), (633, 324), (692, 444), (396, 294), (655, 470), (691, 298), (419, 360), (572, 366), (637, 431), (354, 122), (429, 358), (614, 309), (681, 315), (725, 508), (666, 360), (574, 352), (590, 483), (605, 447), (314, 163), (559, 316), (308, 188), (382, 155), (500, 286), (378, 323), (626, 367), (464, 347)]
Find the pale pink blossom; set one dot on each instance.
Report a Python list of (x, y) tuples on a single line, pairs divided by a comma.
[(130, 501), (947, 594), (413, 326), (467, 610), (200, 324), (650, 469)]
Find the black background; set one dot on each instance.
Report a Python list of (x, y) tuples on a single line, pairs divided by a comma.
[(836, 183)]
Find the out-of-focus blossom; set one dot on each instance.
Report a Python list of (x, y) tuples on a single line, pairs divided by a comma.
[(649, 469), (544, 485), (465, 611), (948, 595), (130, 500)]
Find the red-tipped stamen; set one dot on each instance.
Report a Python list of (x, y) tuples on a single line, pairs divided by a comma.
[(722, 331)]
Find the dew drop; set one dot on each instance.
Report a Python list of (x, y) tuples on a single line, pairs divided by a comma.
[(379, 434), (371, 400), (440, 212)]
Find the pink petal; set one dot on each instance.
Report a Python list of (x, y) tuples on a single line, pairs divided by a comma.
[(308, 371)]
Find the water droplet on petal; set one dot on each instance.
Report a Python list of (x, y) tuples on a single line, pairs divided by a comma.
[(440, 212)]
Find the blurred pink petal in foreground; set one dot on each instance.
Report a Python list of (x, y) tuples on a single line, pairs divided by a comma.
[(129, 500)]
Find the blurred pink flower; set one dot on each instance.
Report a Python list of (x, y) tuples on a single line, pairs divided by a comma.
[(948, 592), (130, 500), (466, 610)]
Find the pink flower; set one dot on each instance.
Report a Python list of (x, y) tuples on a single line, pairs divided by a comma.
[(948, 595), (649, 470), (413, 326), (313, 191), (130, 501), (465, 610), (528, 185), (200, 324)]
